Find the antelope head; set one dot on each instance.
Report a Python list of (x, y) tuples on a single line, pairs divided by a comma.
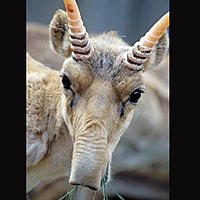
[(103, 80)]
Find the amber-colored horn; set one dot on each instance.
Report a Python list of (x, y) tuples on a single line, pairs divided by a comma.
[(152, 36), (141, 50), (80, 43)]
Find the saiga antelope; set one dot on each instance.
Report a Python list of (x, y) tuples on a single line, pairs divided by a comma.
[(75, 117)]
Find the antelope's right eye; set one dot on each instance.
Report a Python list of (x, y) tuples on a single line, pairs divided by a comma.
[(66, 82)]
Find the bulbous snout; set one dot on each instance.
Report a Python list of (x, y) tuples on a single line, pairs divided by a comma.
[(88, 163), (86, 174)]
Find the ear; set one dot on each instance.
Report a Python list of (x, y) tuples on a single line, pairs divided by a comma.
[(158, 53), (58, 33)]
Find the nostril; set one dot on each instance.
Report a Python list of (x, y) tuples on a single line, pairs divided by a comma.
[(74, 183), (91, 188), (87, 186), (83, 185)]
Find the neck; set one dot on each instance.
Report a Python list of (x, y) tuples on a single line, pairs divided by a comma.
[(57, 161), (53, 108)]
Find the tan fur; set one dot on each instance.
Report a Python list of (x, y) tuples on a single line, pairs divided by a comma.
[(74, 132)]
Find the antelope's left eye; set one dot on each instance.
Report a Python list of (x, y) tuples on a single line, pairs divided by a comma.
[(66, 82), (135, 96)]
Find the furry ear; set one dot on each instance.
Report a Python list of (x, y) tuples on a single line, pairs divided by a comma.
[(58, 33), (158, 54)]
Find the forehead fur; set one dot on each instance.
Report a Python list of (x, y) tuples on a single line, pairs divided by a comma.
[(107, 60)]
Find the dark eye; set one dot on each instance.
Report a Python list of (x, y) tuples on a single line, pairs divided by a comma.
[(66, 82), (135, 96)]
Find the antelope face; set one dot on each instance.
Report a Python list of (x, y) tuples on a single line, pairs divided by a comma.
[(98, 101), (100, 91)]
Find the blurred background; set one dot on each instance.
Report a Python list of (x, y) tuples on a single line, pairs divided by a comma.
[(132, 18), (140, 164)]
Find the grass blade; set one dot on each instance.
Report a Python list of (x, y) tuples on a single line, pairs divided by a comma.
[(103, 185), (69, 195), (117, 194)]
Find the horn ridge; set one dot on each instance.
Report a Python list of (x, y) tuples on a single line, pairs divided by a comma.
[(77, 32), (144, 47)]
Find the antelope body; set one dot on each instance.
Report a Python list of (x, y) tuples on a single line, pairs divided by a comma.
[(75, 117)]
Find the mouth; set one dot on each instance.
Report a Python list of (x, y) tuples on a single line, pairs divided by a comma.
[(103, 183), (89, 184)]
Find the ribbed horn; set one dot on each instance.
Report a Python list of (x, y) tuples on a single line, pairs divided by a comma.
[(141, 50), (80, 43)]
